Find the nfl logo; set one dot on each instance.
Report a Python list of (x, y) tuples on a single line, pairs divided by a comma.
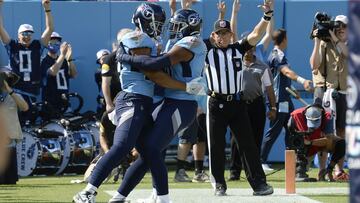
[(222, 23)]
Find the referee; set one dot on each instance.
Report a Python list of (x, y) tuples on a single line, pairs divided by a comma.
[(225, 107)]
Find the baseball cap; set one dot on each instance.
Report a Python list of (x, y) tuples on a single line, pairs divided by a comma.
[(342, 18), (102, 52), (56, 35), (222, 25), (25, 27), (313, 117)]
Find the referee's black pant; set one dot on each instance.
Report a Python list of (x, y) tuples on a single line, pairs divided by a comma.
[(257, 116), (222, 114)]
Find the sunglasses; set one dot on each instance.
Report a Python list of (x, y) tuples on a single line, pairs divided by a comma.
[(342, 25), (26, 34), (54, 43)]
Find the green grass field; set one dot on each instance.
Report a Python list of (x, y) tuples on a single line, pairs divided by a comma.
[(59, 188)]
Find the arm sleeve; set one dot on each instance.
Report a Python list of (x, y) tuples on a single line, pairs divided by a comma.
[(281, 62), (208, 44), (243, 45), (146, 62), (106, 70), (9, 46), (266, 79)]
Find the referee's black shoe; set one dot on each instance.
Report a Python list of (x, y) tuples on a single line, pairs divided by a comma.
[(234, 176), (263, 190), (220, 190)]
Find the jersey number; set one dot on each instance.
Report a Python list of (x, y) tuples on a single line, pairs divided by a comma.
[(61, 80), (25, 63)]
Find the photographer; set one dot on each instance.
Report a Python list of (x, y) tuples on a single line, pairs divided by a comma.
[(10, 102), (312, 131), (329, 68)]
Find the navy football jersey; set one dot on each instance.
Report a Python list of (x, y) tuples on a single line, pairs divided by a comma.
[(276, 62), (57, 85), (26, 63)]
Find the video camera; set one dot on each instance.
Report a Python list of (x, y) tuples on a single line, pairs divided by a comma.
[(296, 140), (10, 77), (323, 23)]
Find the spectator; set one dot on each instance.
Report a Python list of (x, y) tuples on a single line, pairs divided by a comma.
[(330, 70), (10, 103), (25, 54), (59, 69), (110, 82), (100, 56)]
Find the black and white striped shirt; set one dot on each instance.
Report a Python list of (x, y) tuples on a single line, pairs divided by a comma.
[(224, 66)]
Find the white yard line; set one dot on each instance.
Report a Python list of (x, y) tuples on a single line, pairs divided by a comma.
[(237, 195)]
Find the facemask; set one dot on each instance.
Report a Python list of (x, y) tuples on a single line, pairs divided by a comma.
[(53, 48)]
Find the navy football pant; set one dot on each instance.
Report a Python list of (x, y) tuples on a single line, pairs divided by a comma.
[(274, 131), (173, 118), (133, 113)]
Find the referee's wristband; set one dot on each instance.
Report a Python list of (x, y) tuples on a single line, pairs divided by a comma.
[(300, 80), (12, 92)]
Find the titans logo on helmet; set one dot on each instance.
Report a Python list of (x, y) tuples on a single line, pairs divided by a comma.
[(147, 11), (194, 19)]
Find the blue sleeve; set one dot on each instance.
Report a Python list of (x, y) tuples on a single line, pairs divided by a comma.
[(280, 61), (10, 46), (187, 42), (260, 52)]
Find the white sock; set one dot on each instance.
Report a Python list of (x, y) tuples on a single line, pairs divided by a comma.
[(90, 188), (163, 198), (118, 196), (153, 194)]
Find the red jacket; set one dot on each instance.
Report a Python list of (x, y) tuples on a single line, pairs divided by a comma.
[(299, 118)]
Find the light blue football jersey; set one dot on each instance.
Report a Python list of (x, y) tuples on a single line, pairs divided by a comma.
[(132, 79), (187, 71)]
